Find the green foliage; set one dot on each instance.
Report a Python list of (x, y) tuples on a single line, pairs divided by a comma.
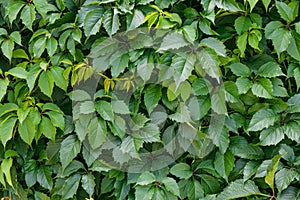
[(92, 90)]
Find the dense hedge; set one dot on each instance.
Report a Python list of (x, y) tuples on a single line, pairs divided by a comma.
[(149, 99)]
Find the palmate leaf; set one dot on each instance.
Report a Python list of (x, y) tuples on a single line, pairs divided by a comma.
[(239, 189)]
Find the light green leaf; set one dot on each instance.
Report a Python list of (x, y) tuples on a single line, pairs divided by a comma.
[(146, 178), (242, 43), (285, 177), (6, 129), (93, 21), (7, 48), (270, 70), (215, 45), (243, 84), (51, 45), (209, 62), (28, 15), (120, 107), (224, 164), (262, 119), (182, 67), (271, 136), (263, 88), (27, 130), (242, 24), (105, 110), (152, 96), (13, 9), (272, 168), (3, 87), (47, 128), (181, 170), (252, 4), (135, 20), (266, 4), (88, 183), (238, 189), (60, 81), (6, 165), (173, 40), (96, 133), (46, 83), (294, 47), (16, 37), (171, 186), (281, 39), (39, 46), (111, 21), (240, 69), (70, 147)]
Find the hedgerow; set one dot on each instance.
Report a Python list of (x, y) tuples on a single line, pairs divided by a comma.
[(149, 99)]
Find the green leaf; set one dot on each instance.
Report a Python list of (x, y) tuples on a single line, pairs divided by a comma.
[(93, 21), (286, 11), (146, 178), (190, 33), (20, 53), (111, 21), (183, 67), (285, 177), (46, 83), (242, 43), (3, 87), (243, 84), (272, 168), (16, 37), (70, 147), (173, 40), (60, 81), (200, 87), (270, 70), (266, 4), (291, 131), (44, 177), (28, 15), (294, 47), (209, 62), (120, 107), (263, 88), (181, 170), (39, 46), (97, 133), (105, 110), (40, 196), (144, 193), (271, 136), (252, 4), (70, 186), (239, 189), (281, 39), (47, 128), (218, 103), (231, 92), (6, 165), (262, 119), (240, 69), (13, 9), (88, 183), (152, 96), (215, 45), (42, 7), (7, 48), (27, 130), (248, 151), (51, 46), (135, 20), (6, 129), (195, 190), (224, 164), (171, 186), (242, 24)]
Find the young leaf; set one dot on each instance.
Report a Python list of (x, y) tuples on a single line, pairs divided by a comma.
[(272, 168)]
